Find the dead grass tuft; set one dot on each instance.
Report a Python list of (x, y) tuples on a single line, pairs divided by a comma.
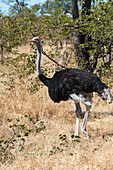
[(45, 149)]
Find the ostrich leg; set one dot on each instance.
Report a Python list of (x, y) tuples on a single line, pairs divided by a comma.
[(78, 112), (83, 129)]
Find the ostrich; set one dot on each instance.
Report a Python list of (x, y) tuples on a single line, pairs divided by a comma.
[(75, 84)]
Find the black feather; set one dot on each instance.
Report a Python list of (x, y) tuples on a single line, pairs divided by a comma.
[(70, 81)]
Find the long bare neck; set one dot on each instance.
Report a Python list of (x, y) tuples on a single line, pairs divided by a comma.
[(39, 72), (44, 79)]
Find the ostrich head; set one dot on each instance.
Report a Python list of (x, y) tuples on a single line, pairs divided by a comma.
[(36, 40)]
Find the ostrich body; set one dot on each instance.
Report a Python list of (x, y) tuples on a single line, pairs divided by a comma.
[(75, 84)]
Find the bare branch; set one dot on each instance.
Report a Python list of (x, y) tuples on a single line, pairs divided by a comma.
[(43, 52), (58, 39), (32, 33), (68, 57)]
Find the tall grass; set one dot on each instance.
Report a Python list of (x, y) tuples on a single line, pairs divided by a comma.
[(52, 147)]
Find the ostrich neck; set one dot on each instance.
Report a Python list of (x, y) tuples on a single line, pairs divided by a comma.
[(39, 71), (44, 79)]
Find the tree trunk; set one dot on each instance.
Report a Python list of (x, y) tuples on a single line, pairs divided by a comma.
[(75, 9), (81, 53), (86, 7), (1, 58)]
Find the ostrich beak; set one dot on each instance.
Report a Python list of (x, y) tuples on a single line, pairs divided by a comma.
[(32, 40), (29, 40)]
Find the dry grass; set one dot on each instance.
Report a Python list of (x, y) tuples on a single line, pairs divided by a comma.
[(45, 150)]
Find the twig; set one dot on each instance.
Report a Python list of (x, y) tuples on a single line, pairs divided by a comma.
[(43, 52), (58, 39), (32, 33), (108, 113)]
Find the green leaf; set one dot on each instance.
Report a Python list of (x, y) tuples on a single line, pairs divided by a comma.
[(9, 120), (26, 134)]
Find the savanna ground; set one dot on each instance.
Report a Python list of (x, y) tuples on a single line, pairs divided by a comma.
[(36, 133)]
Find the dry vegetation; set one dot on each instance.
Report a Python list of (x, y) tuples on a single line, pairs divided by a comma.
[(45, 149)]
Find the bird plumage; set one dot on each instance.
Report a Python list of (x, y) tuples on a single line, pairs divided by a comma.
[(70, 81), (75, 84)]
